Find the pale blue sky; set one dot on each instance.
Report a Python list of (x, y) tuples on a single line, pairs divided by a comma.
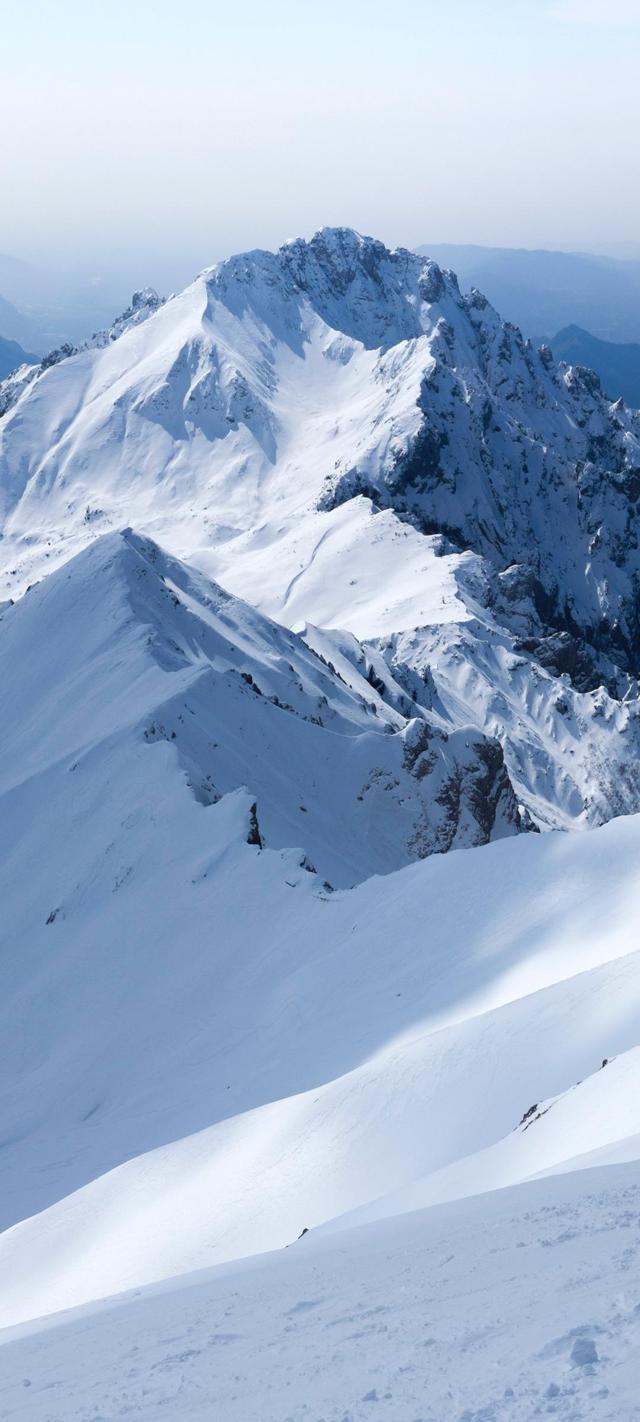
[(197, 129)]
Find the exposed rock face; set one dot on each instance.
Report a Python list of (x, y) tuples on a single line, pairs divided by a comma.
[(524, 461), (472, 799)]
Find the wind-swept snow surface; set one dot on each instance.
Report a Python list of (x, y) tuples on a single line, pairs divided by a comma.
[(511, 1306)]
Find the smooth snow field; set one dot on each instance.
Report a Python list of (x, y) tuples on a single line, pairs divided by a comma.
[(515, 1305)]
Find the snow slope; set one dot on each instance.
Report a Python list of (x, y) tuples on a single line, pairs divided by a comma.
[(137, 702), (253, 1182), (125, 638), (594, 1123), (173, 985), (499, 1309)]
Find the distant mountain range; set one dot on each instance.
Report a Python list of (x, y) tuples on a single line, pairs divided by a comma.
[(11, 356), (14, 325), (41, 309)]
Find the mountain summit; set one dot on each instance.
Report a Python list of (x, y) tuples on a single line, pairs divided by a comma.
[(332, 367), (335, 433)]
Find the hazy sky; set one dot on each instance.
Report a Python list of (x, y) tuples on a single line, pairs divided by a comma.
[(197, 129)]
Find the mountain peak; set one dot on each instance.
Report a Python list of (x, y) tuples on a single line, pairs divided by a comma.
[(340, 249), (372, 293), (260, 421), (341, 256)]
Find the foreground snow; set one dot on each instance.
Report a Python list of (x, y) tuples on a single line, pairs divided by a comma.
[(518, 1304)]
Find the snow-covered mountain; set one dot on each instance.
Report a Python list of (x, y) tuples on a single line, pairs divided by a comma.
[(334, 433), (167, 656), (335, 367), (181, 979), (319, 591), (136, 698)]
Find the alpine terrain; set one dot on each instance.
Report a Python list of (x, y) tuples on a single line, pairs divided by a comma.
[(320, 834)]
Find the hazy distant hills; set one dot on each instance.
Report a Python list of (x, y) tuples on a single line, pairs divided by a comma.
[(41, 309), (617, 364), (11, 356), (14, 324), (543, 292)]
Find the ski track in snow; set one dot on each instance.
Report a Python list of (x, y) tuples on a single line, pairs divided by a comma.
[(305, 569)]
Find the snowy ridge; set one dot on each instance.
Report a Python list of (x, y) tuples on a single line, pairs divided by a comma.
[(168, 655), (143, 304)]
